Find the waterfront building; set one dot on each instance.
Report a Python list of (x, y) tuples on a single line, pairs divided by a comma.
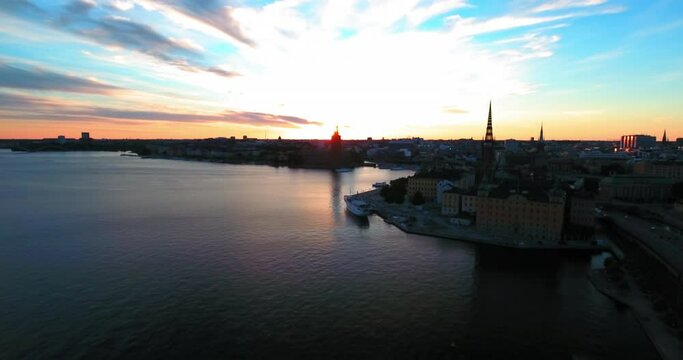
[(582, 209), (527, 214), (469, 203), (458, 201), (451, 203), (85, 136), (61, 139), (667, 169), (636, 188), (428, 182), (441, 188), (629, 142)]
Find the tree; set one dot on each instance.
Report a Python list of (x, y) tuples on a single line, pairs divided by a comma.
[(418, 199), (395, 192)]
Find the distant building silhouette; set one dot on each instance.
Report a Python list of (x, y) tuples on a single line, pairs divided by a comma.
[(665, 139), (637, 142), (539, 161), (85, 136), (541, 140), (336, 146)]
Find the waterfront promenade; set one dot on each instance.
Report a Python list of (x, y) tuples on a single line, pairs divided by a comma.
[(427, 220), (668, 345)]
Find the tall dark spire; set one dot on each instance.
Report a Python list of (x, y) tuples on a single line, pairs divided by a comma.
[(540, 138), (488, 152), (489, 127), (664, 138)]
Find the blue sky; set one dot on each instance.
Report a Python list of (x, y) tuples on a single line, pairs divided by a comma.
[(591, 69)]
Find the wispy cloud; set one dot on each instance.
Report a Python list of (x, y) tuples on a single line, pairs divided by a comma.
[(35, 78), (78, 18), (660, 28), (565, 4), (215, 14), (455, 110), (17, 107), (600, 57), (472, 26)]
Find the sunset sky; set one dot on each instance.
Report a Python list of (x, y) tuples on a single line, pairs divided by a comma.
[(586, 69)]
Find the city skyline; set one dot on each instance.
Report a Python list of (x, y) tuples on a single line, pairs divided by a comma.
[(297, 69)]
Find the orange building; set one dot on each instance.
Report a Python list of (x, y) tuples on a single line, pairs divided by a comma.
[(532, 215)]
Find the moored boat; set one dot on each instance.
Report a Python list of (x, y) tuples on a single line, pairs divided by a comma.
[(356, 206)]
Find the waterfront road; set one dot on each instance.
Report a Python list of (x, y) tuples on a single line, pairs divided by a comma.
[(660, 240)]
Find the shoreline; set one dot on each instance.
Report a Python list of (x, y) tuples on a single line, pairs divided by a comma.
[(425, 221), (668, 346)]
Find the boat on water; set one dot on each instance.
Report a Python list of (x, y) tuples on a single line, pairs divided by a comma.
[(379, 185), (356, 206)]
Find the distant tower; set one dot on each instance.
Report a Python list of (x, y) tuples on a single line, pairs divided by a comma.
[(664, 138), (85, 136), (541, 141), (336, 148), (539, 161), (488, 151)]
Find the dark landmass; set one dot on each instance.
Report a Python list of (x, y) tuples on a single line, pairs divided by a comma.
[(293, 153)]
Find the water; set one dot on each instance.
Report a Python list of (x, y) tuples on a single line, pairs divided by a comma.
[(104, 256)]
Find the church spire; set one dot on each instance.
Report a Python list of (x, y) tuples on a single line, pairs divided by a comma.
[(664, 138), (540, 138), (489, 126)]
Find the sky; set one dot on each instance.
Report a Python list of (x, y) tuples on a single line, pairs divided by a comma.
[(584, 69)]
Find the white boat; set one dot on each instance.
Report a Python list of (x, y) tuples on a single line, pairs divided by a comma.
[(379, 185), (356, 206)]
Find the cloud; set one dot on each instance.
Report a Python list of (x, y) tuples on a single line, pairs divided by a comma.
[(21, 8), (121, 32), (470, 26), (598, 58), (78, 18), (14, 106), (420, 14), (123, 5), (455, 110), (214, 13), (221, 72), (660, 28), (565, 4), (34, 78)]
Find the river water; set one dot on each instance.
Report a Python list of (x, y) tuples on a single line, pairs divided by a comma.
[(105, 256)]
